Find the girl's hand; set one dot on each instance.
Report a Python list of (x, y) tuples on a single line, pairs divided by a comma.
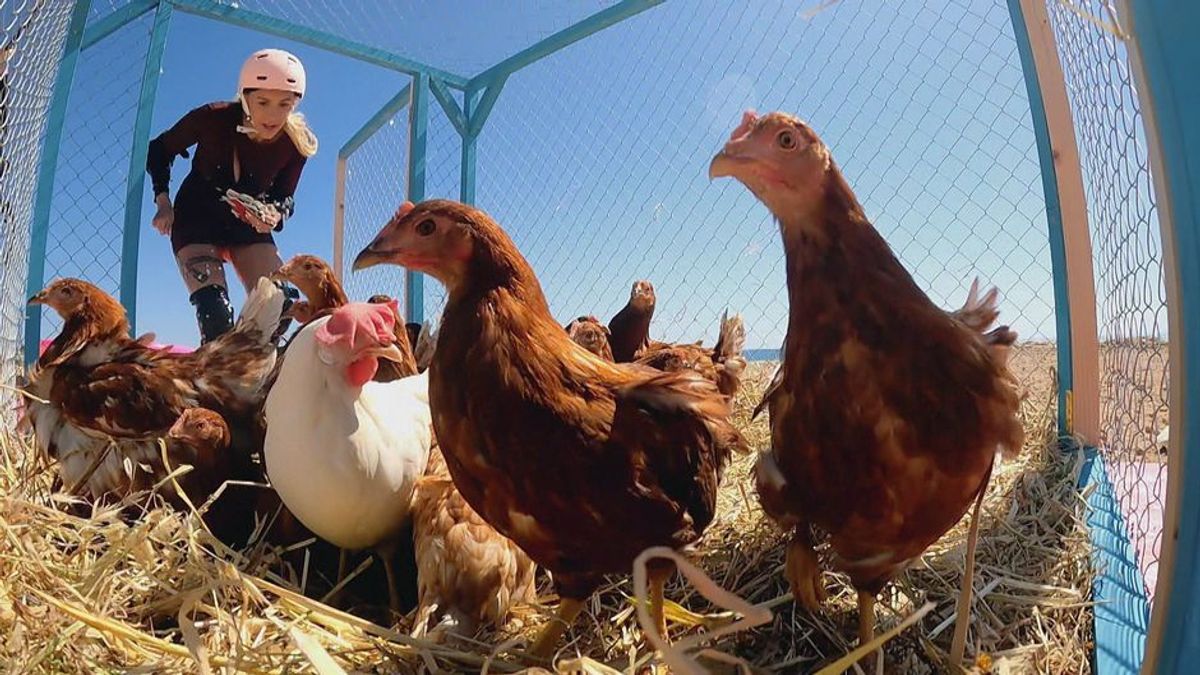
[(264, 224), (164, 219)]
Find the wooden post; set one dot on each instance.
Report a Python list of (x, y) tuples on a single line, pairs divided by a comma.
[(1066, 213)]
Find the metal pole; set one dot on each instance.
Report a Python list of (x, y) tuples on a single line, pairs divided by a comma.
[(136, 184), (339, 217), (40, 229), (467, 183), (418, 121)]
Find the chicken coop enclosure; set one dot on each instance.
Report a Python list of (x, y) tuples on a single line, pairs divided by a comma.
[(1048, 147)]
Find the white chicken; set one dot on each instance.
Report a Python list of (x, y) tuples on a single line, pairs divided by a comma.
[(345, 452)]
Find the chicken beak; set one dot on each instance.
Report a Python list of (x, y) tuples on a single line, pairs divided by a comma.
[(38, 299), (368, 257), (282, 274), (723, 165), (391, 353)]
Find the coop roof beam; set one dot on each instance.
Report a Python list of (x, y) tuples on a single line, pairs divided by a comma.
[(115, 21), (479, 115), (316, 38), (449, 105), (562, 39), (389, 110)]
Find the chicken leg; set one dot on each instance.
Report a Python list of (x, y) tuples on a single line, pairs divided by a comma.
[(387, 553), (803, 573), (547, 640), (866, 625), (658, 573)]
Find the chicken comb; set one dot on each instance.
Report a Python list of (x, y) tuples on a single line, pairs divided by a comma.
[(749, 117), (359, 325), (403, 210)]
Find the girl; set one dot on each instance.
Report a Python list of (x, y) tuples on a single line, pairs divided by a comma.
[(256, 145)]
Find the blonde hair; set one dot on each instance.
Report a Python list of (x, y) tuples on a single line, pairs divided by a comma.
[(302, 136)]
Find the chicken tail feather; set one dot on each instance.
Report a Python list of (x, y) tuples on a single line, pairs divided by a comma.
[(263, 308)]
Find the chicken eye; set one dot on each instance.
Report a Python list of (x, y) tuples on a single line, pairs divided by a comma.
[(786, 140), (426, 227)]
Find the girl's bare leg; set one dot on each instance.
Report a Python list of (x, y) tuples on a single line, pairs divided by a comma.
[(255, 261)]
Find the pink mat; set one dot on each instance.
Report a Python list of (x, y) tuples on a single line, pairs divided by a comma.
[(1141, 488)]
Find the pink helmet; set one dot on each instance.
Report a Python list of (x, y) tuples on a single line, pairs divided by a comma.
[(272, 69)]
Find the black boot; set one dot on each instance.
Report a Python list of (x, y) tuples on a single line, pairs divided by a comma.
[(214, 314), (290, 295)]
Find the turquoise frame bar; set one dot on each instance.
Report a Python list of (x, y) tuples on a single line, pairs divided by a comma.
[(466, 186), (418, 116), (562, 39), (115, 21), (1122, 609), (1058, 246), (1165, 42), (43, 200), (316, 38), (389, 110), (136, 184)]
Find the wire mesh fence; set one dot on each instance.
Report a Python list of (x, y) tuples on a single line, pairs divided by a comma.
[(30, 47), (376, 180), (595, 159), (1128, 255)]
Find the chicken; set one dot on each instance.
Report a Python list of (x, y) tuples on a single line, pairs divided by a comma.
[(581, 462), (316, 280), (323, 293), (468, 574), (629, 329), (109, 398), (723, 364), (888, 411), (592, 335), (348, 472)]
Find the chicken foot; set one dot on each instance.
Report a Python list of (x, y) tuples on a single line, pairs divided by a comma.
[(568, 610), (802, 571)]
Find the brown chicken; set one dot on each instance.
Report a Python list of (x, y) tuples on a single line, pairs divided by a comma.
[(583, 463), (588, 332), (723, 365), (468, 574), (109, 398), (629, 329), (323, 293), (888, 412)]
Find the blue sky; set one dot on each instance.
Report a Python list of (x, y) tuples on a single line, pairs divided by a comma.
[(595, 159)]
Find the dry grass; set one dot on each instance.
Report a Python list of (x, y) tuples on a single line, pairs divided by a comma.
[(97, 594)]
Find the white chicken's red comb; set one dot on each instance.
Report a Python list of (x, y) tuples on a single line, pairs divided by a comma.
[(360, 325)]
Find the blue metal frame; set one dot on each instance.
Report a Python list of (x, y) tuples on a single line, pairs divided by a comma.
[(1165, 40), (418, 115), (1122, 610), (389, 110), (466, 185), (316, 38), (136, 183), (562, 39), (449, 105), (115, 21), (40, 228), (1058, 246)]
